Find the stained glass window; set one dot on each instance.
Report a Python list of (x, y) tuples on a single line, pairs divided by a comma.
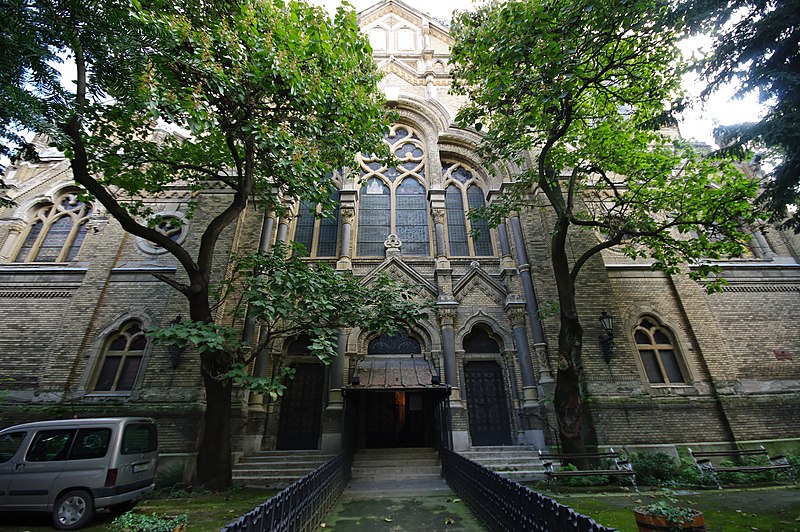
[(57, 231), (466, 236), (393, 199), (318, 234), (658, 353)]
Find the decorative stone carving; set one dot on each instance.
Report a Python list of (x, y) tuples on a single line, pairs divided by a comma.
[(392, 242), (347, 214), (438, 215), (447, 316)]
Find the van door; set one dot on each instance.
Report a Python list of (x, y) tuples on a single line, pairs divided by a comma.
[(138, 456), (33, 477), (10, 456)]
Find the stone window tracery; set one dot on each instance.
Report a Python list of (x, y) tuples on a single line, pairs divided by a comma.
[(393, 199), (121, 359), (658, 353), (467, 237), (57, 230)]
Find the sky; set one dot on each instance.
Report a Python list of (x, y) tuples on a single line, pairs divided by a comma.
[(697, 123)]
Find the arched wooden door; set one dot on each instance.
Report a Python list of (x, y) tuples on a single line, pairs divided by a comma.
[(487, 404), (301, 409)]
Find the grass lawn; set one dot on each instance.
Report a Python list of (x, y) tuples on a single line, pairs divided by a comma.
[(773, 508), (206, 512)]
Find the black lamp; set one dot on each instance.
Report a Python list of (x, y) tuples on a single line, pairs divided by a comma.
[(607, 339)]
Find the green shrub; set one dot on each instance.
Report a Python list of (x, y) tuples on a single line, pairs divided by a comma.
[(746, 478), (577, 482), (688, 474), (136, 522), (654, 469)]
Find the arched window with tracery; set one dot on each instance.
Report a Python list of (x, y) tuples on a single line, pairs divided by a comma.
[(466, 236), (121, 359), (393, 198), (318, 233), (658, 352), (400, 343), (57, 230)]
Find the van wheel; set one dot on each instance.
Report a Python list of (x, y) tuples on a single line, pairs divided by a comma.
[(73, 510)]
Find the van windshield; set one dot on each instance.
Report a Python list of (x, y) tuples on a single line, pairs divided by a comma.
[(139, 438)]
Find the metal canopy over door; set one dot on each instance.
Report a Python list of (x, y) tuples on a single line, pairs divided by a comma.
[(301, 409), (487, 404)]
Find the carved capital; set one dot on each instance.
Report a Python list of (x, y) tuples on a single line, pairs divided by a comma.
[(516, 314), (438, 215), (347, 214), (447, 316)]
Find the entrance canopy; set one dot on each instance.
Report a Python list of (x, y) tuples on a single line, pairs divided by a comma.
[(395, 373)]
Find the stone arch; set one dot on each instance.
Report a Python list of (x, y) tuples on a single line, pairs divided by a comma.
[(94, 352), (501, 333)]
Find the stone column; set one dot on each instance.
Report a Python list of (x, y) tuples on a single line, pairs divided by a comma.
[(255, 404), (436, 200), (517, 316), (446, 312), (347, 215), (530, 297)]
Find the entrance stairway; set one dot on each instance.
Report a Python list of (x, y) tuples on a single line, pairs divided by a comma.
[(404, 464), (519, 463), (276, 469)]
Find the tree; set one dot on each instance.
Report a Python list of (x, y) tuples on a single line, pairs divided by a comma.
[(291, 297), (757, 44), (266, 97), (580, 87)]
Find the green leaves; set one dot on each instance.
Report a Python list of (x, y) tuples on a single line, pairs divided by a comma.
[(205, 337)]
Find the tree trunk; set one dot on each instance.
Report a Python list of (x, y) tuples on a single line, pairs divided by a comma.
[(567, 401), (214, 452)]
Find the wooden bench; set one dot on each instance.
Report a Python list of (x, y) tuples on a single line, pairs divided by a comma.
[(703, 461), (621, 467)]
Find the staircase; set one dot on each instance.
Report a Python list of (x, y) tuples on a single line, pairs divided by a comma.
[(407, 464), (519, 463), (276, 469)]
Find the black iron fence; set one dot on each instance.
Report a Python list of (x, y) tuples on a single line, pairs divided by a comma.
[(301, 506), (505, 505)]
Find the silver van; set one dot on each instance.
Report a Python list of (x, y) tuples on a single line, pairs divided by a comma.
[(72, 467)]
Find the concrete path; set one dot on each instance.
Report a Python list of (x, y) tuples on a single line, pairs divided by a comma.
[(401, 505)]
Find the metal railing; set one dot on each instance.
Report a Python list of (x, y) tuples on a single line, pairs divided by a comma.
[(505, 505), (301, 506)]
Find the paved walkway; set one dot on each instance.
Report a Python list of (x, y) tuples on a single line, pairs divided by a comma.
[(400, 506)]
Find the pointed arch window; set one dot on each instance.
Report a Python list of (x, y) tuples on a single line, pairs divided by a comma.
[(393, 200), (318, 234), (660, 358), (466, 236), (121, 359), (57, 230)]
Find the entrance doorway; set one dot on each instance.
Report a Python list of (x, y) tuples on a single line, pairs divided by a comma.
[(301, 409), (487, 406), (390, 419)]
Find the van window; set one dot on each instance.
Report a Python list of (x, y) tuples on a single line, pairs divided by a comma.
[(9, 443), (139, 438), (90, 443), (50, 445)]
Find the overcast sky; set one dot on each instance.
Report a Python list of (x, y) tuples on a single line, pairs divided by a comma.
[(697, 123)]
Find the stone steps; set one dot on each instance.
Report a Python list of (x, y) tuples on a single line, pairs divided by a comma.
[(518, 463), (276, 469), (413, 464)]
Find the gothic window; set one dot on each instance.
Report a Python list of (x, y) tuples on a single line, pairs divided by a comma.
[(393, 199), (121, 359), (170, 224), (56, 231), (397, 344), (318, 234), (466, 236), (659, 354)]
